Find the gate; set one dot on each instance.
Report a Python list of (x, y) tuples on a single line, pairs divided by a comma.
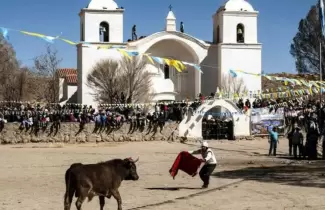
[(217, 130)]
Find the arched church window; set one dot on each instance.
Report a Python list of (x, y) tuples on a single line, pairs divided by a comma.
[(240, 33), (166, 71), (104, 32), (218, 35)]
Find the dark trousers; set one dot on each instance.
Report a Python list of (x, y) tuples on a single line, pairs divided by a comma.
[(290, 147), (299, 148), (134, 36), (312, 150), (273, 145), (323, 147), (205, 173)]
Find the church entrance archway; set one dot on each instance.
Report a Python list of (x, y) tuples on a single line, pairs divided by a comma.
[(186, 83), (192, 127), (217, 124)]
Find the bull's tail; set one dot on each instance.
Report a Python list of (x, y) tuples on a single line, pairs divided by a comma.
[(69, 192), (70, 183)]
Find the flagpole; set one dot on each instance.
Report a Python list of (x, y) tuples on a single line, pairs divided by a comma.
[(320, 69), (321, 86)]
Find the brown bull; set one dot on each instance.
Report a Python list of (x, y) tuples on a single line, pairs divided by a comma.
[(101, 179)]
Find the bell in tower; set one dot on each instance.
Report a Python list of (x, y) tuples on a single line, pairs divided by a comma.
[(240, 33)]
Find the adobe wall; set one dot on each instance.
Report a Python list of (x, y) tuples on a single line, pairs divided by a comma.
[(68, 133)]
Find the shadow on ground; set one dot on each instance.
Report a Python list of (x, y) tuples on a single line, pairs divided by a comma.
[(173, 188), (304, 174)]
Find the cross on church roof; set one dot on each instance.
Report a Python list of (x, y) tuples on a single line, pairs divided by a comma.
[(170, 7)]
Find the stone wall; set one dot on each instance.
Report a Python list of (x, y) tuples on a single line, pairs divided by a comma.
[(69, 133)]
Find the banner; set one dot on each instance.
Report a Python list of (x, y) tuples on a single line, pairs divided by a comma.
[(262, 120)]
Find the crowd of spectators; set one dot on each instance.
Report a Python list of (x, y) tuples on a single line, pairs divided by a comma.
[(30, 116), (307, 115)]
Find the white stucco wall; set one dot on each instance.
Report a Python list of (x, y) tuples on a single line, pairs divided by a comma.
[(197, 48), (92, 18), (210, 68), (217, 21), (89, 58), (61, 88), (230, 22), (71, 89), (245, 58), (178, 46), (162, 89)]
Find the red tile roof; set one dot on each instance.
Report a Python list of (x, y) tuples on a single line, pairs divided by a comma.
[(71, 79), (64, 72), (70, 75)]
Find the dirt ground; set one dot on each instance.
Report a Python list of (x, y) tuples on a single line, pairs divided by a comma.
[(32, 177)]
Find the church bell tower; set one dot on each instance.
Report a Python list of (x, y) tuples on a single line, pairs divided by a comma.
[(101, 21), (235, 33)]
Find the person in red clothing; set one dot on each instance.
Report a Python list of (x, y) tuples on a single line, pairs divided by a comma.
[(210, 163)]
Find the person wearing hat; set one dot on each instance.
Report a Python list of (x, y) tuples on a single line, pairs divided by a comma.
[(210, 162)]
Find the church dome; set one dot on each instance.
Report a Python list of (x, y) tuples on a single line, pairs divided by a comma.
[(102, 4), (238, 5)]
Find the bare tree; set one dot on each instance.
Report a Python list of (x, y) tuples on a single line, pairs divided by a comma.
[(137, 79), (232, 85), (109, 79), (105, 80), (46, 66), (8, 69)]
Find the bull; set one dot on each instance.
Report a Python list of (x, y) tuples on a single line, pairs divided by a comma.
[(101, 179)]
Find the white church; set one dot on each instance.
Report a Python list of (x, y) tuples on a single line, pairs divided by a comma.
[(234, 46)]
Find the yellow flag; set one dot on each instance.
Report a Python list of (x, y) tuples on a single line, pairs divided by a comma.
[(180, 64), (123, 52), (104, 47), (175, 65), (149, 58), (33, 34), (167, 61), (68, 41)]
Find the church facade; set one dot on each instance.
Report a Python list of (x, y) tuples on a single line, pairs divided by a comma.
[(234, 46)]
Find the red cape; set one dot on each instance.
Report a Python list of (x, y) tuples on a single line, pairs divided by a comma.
[(187, 163)]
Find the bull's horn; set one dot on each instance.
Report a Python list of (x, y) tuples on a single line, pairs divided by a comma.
[(136, 160)]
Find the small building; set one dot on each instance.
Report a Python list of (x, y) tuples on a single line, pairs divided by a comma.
[(68, 84)]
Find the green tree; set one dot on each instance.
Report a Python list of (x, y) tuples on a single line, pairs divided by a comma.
[(305, 47)]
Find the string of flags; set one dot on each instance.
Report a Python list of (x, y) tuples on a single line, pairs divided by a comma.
[(285, 80), (178, 65), (313, 86)]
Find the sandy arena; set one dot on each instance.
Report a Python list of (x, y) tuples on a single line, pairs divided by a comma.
[(32, 177)]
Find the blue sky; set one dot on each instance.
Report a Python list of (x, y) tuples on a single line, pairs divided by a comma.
[(278, 23)]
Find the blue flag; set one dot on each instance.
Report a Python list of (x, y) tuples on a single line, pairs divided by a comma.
[(4, 33), (233, 73)]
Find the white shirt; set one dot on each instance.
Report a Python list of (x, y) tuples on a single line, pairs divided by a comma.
[(208, 156)]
